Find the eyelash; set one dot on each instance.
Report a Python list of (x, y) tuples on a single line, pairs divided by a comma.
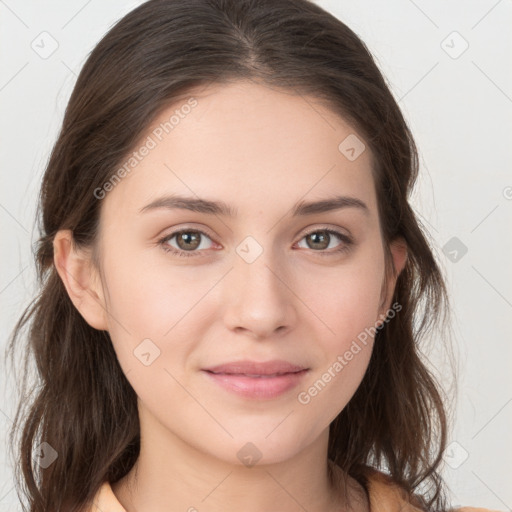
[(345, 247)]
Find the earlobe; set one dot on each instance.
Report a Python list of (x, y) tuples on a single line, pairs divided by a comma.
[(80, 279)]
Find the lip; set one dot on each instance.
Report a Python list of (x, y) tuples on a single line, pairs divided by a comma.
[(247, 367), (263, 381), (262, 387)]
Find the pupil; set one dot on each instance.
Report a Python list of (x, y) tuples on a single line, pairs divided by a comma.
[(187, 238), (316, 236)]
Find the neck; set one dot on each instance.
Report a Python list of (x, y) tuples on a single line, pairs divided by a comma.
[(171, 472)]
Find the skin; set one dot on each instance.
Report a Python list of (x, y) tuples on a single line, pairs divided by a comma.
[(260, 150)]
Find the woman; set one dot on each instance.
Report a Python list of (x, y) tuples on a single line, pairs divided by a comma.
[(230, 274)]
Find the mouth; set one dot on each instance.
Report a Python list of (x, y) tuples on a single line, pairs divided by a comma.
[(256, 369), (255, 375), (256, 385)]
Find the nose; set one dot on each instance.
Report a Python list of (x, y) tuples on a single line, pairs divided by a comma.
[(259, 297)]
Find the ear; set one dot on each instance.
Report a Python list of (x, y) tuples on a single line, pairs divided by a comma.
[(398, 248), (81, 279)]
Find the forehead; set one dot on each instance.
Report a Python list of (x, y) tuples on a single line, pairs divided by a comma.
[(249, 145)]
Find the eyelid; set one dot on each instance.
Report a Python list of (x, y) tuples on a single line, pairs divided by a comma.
[(177, 230), (304, 232), (346, 239), (165, 238), (324, 227)]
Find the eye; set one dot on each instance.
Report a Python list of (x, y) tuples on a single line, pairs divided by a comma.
[(188, 240), (321, 239)]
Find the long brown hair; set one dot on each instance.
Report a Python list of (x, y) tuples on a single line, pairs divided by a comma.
[(81, 404)]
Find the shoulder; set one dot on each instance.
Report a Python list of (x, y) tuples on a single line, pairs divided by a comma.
[(387, 496), (384, 495)]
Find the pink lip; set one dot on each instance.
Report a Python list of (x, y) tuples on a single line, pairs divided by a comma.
[(251, 379), (263, 387)]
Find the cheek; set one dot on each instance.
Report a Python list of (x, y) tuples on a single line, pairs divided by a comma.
[(355, 304), (150, 299), (156, 309), (348, 308), (345, 299), (347, 303)]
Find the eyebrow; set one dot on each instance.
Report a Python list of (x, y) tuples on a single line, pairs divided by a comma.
[(300, 209)]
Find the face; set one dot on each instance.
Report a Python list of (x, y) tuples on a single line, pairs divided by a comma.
[(268, 279)]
